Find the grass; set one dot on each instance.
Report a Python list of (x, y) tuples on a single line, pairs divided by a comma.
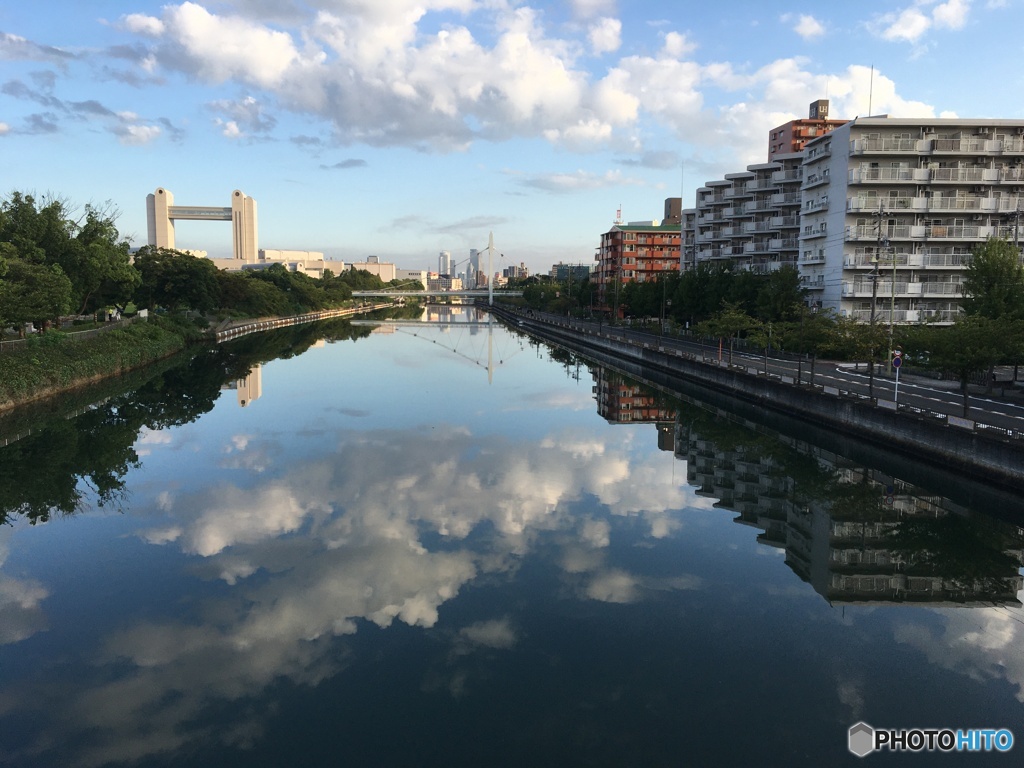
[(50, 363)]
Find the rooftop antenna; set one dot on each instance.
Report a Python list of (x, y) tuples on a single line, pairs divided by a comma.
[(871, 89)]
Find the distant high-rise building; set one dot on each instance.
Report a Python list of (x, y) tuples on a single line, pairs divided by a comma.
[(444, 263)]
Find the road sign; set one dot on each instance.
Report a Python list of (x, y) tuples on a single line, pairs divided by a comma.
[(897, 361)]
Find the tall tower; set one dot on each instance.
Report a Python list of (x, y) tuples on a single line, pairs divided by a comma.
[(158, 218), (161, 213), (444, 263), (243, 225), (473, 268)]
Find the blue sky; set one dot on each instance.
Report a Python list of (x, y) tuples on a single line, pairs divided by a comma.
[(404, 127)]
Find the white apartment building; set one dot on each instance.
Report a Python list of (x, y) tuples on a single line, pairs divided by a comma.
[(892, 209), (749, 219)]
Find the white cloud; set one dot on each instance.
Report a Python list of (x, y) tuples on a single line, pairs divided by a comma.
[(143, 25), (907, 26), (676, 45), (913, 22), (497, 633), (605, 35), (21, 614), (809, 27), (613, 586), (570, 182), (136, 135), (952, 14), (4, 128), (229, 128)]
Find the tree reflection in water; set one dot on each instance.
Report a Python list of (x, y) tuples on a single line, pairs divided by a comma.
[(66, 464)]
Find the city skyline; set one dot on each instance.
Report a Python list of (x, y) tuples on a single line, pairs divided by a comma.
[(401, 128)]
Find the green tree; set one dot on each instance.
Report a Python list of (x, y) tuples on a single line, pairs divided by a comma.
[(32, 293), (176, 280), (969, 347), (89, 251), (730, 323), (780, 296), (102, 270), (994, 283)]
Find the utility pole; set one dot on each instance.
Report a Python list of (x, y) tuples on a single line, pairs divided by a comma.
[(874, 302), (892, 307), (1016, 229), (874, 261)]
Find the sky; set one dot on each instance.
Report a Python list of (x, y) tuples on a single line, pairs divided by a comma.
[(400, 128)]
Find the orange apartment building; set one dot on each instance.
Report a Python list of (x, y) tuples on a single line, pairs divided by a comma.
[(792, 136), (636, 252)]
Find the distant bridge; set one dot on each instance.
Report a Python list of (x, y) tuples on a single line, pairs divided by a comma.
[(478, 293)]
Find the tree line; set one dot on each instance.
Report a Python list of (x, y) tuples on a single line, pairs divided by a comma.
[(56, 261)]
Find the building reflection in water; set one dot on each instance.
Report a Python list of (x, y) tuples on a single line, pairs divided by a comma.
[(249, 388), (855, 534)]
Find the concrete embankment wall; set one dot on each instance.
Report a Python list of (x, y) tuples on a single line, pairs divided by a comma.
[(991, 459), (245, 327)]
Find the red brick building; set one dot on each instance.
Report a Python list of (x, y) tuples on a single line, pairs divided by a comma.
[(635, 252)]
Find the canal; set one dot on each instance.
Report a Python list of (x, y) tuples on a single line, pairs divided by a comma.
[(442, 543)]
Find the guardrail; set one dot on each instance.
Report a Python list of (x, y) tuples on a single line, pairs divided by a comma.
[(267, 324), (14, 345)]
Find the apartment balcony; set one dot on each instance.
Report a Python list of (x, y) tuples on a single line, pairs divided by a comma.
[(814, 206), (814, 258), (785, 222), (785, 198), (885, 146), (937, 290), (1011, 175), (784, 243), (761, 205), (754, 227), (972, 203), (859, 232), (815, 284), (1008, 204), (1012, 146), (961, 146), (734, 193), (812, 233), (972, 232), (760, 245), (861, 290), (760, 185), (870, 204), (814, 180), (864, 259), (792, 175), (955, 260), (963, 175), (819, 153), (888, 175)]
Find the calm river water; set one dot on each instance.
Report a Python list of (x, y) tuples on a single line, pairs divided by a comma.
[(326, 546)]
